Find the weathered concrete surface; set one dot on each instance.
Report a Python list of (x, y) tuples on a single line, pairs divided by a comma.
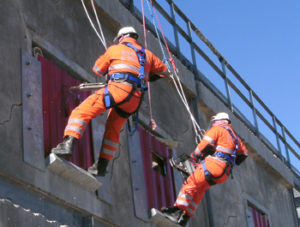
[(63, 32)]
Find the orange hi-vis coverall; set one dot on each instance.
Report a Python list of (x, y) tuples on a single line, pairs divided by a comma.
[(125, 95), (214, 168)]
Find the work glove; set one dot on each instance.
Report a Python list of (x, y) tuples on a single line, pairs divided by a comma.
[(195, 163)]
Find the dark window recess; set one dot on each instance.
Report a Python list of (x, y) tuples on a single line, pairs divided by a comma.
[(158, 174), (159, 164), (256, 217), (58, 103)]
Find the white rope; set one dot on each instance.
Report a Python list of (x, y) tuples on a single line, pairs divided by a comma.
[(98, 22), (102, 38), (198, 131)]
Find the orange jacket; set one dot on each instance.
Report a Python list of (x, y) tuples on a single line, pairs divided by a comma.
[(220, 140), (121, 58)]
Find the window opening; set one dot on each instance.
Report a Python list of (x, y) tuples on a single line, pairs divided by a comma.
[(159, 163), (256, 217)]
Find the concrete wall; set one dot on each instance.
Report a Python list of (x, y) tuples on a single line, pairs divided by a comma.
[(62, 30)]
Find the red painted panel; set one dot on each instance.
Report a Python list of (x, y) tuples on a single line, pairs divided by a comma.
[(160, 189), (259, 219), (58, 102)]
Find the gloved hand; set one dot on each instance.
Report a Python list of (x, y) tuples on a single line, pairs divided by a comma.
[(194, 163)]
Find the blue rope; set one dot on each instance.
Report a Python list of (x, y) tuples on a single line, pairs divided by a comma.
[(165, 59)]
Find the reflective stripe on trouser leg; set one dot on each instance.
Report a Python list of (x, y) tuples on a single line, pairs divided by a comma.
[(75, 127), (183, 200), (194, 187), (108, 149), (111, 136), (91, 107)]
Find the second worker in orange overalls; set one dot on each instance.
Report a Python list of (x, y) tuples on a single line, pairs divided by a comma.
[(219, 151), (128, 66)]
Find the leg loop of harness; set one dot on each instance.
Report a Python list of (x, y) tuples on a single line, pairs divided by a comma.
[(208, 176), (109, 99)]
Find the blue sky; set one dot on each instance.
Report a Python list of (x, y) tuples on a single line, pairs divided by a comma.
[(260, 40)]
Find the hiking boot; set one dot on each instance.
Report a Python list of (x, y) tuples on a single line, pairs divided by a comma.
[(172, 213), (183, 220), (99, 167), (65, 148)]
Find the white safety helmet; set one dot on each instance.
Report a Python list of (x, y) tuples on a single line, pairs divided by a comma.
[(124, 31), (221, 116)]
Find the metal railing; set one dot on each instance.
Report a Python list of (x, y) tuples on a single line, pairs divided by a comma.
[(259, 111)]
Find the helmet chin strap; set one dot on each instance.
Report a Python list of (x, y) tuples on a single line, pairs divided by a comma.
[(219, 122), (122, 37)]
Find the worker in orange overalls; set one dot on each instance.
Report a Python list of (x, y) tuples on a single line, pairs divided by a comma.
[(128, 66), (219, 151)]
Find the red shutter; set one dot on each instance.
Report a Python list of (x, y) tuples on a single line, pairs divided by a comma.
[(259, 219), (160, 189), (58, 102)]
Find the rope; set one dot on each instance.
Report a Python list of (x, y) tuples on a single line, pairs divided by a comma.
[(101, 37), (153, 124), (175, 78)]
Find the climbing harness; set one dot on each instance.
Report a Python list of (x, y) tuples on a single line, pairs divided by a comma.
[(136, 81), (229, 158)]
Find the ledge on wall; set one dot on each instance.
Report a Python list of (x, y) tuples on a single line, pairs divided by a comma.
[(72, 172), (160, 220)]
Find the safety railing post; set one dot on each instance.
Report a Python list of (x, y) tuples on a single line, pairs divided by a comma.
[(254, 113), (277, 136), (129, 4), (192, 50), (286, 146), (226, 85), (175, 28)]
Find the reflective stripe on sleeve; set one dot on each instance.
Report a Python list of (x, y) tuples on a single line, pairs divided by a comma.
[(98, 70), (209, 139), (197, 151)]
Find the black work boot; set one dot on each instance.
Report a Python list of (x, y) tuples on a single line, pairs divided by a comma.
[(183, 220), (65, 148), (99, 167), (172, 213)]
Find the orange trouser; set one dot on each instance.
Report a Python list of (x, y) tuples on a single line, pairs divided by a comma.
[(94, 105), (194, 187)]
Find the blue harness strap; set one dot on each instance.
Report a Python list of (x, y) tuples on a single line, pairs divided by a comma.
[(141, 57), (231, 158), (107, 97), (128, 77)]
